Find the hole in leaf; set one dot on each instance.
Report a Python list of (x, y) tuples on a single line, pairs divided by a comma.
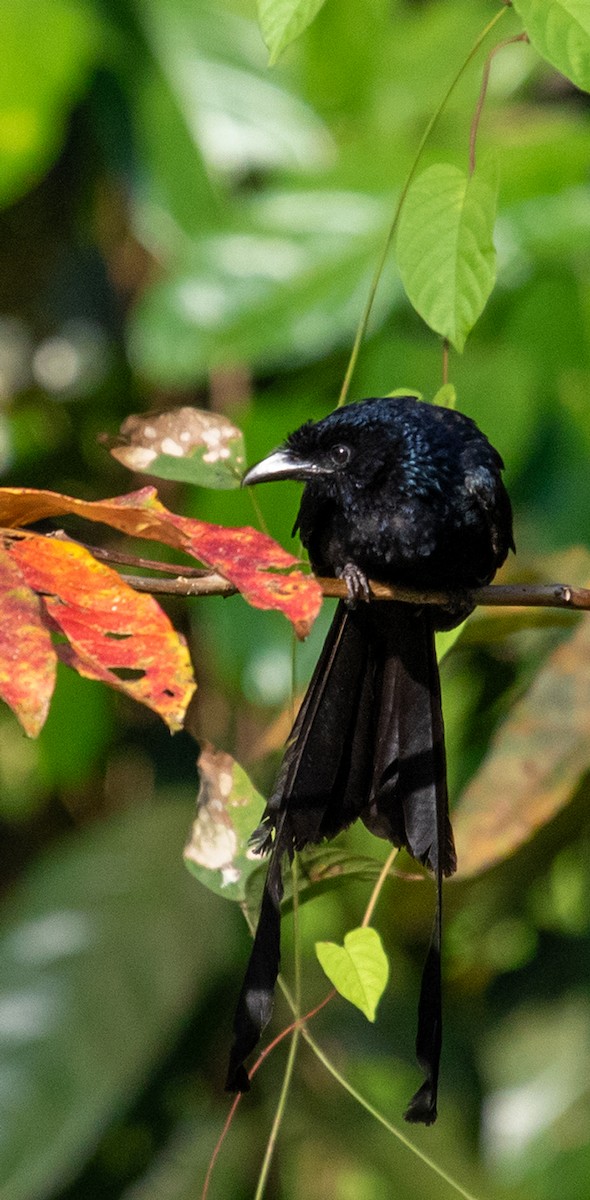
[(127, 674)]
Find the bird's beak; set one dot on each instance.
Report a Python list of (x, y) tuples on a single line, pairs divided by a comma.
[(281, 464)]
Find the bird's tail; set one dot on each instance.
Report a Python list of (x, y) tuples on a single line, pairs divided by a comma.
[(369, 742), (408, 801)]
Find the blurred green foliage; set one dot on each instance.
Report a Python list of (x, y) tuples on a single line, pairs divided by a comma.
[(182, 225)]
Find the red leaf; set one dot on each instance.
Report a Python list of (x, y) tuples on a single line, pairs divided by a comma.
[(109, 627), (248, 559), (27, 658)]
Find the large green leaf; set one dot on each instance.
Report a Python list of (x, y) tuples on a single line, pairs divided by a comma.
[(534, 763), (445, 250), (102, 953), (287, 287), (560, 31), (282, 21), (234, 117), (48, 51)]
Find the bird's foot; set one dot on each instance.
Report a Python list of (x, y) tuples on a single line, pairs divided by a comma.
[(357, 584)]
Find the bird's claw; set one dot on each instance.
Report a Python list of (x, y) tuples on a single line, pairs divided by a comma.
[(357, 584)]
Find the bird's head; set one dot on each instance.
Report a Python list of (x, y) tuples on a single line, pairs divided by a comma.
[(351, 444)]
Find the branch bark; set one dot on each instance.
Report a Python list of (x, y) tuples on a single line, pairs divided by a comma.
[(520, 595)]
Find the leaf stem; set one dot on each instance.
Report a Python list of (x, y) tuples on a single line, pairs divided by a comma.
[(373, 898), (362, 327), (279, 1114), (485, 78)]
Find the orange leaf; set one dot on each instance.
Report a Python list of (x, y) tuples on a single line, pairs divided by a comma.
[(27, 658), (248, 559), (115, 635), (534, 762)]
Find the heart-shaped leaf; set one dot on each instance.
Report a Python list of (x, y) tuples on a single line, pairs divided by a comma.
[(359, 970)]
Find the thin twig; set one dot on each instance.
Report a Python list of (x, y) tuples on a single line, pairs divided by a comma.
[(210, 584), (485, 77), (199, 581)]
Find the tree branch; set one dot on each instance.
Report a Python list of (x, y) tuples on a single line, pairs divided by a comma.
[(515, 595), (199, 581)]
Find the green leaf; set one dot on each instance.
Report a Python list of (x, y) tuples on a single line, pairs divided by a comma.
[(104, 952), (282, 21), (285, 289), (560, 31), (228, 810), (359, 970), (48, 52), (402, 391), (223, 114), (321, 868), (446, 396), (445, 250), (193, 469)]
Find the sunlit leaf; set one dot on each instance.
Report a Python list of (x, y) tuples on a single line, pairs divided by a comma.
[(446, 396), (560, 31), (282, 21), (402, 391), (27, 658), (189, 445), (445, 250), (248, 559), (113, 632), (534, 763), (228, 810), (359, 970)]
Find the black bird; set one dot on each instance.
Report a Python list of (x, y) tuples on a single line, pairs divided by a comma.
[(403, 492)]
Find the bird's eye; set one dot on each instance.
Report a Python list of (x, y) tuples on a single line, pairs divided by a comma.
[(340, 455)]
